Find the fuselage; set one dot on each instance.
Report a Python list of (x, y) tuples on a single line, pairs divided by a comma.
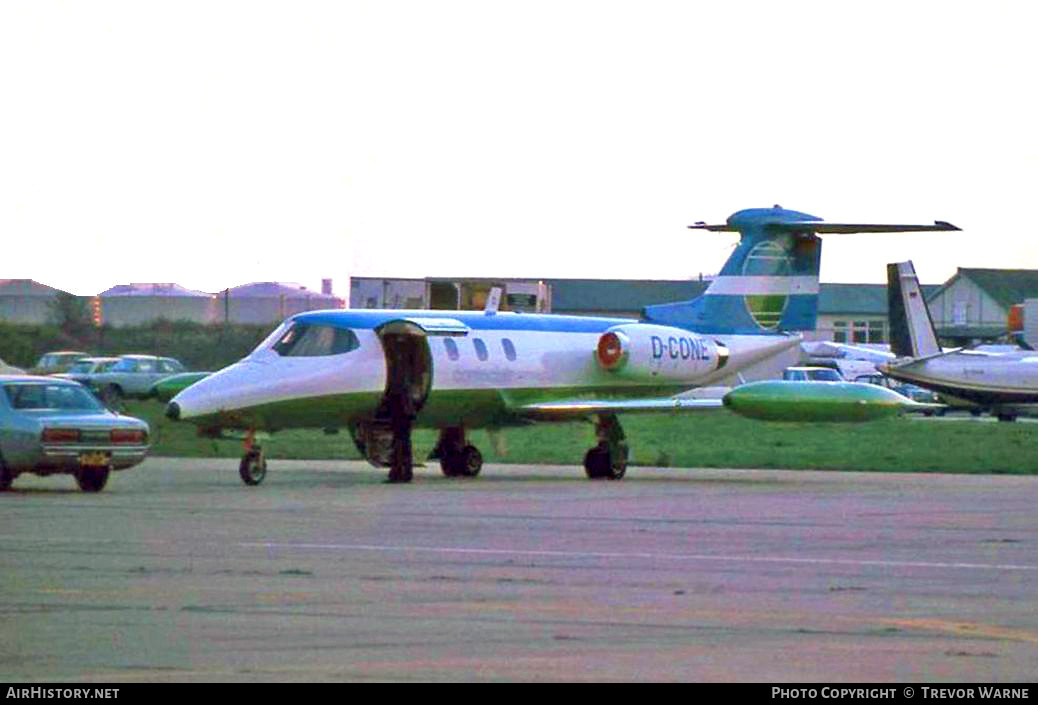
[(466, 368), (988, 379)]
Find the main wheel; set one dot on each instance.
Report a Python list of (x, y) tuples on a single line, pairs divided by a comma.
[(466, 462), (92, 479), (470, 461), (599, 463), (449, 464), (617, 466), (596, 462), (253, 468)]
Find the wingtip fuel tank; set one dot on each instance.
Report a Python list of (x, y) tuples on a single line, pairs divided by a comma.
[(780, 400)]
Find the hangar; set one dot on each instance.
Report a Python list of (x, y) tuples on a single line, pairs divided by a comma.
[(136, 304), (26, 301), (975, 304), (272, 302)]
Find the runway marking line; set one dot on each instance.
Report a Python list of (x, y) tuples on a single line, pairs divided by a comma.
[(984, 631), (653, 556)]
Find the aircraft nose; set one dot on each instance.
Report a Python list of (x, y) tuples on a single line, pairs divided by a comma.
[(173, 411)]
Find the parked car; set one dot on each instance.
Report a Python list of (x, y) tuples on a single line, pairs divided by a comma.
[(6, 369), (50, 425), (54, 362), (812, 374), (132, 376), (85, 368), (913, 392)]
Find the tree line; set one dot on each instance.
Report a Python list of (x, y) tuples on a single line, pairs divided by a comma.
[(200, 346)]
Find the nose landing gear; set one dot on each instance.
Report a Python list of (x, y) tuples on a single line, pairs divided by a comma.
[(253, 465)]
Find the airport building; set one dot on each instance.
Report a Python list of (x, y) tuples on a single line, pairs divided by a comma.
[(272, 302), (137, 304), (975, 304), (27, 301)]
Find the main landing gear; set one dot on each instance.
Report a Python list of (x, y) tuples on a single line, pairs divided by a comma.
[(608, 459), (457, 458), (253, 465)]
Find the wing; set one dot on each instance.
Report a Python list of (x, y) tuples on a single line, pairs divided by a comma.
[(581, 408)]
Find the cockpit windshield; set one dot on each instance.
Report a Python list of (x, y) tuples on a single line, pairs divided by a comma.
[(315, 340)]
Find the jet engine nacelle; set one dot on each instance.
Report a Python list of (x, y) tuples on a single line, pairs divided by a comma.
[(651, 353)]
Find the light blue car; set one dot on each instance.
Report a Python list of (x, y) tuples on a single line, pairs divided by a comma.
[(50, 426), (132, 377)]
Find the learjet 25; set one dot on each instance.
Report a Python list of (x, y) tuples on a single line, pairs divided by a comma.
[(377, 373)]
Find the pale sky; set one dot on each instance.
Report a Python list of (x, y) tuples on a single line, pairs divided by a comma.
[(216, 143)]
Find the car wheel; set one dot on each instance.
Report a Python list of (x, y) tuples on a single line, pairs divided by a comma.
[(6, 476), (92, 479)]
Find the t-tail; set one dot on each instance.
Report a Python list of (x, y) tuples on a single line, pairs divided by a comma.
[(770, 282), (912, 331)]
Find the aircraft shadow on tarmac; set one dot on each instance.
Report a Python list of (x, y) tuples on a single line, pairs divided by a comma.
[(339, 478)]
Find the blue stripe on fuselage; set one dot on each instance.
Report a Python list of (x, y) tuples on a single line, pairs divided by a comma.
[(476, 320), (727, 314)]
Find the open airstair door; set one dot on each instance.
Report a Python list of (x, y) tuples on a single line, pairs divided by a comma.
[(408, 361)]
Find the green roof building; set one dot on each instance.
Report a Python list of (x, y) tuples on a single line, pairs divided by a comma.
[(974, 304)]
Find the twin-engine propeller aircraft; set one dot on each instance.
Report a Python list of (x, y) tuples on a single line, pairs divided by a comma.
[(1006, 383), (380, 372)]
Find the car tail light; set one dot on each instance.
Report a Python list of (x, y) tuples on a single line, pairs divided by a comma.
[(60, 435), (128, 436)]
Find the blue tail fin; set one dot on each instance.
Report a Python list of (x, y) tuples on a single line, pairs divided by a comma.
[(770, 283)]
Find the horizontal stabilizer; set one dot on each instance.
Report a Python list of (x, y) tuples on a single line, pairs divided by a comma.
[(833, 228)]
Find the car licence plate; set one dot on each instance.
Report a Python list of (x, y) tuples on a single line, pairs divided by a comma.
[(93, 459)]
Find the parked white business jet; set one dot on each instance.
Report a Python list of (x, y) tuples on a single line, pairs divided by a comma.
[(380, 372), (1006, 383)]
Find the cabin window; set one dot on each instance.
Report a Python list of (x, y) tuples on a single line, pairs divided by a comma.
[(481, 349), (509, 349), (452, 348), (314, 340)]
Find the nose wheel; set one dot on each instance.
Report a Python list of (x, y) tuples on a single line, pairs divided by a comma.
[(253, 465)]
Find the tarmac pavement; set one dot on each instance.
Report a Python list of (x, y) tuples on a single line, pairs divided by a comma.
[(179, 572)]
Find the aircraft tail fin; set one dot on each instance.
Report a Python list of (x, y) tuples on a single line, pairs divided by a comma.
[(912, 331), (770, 282)]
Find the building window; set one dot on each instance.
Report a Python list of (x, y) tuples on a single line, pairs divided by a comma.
[(877, 332), (452, 348), (481, 349), (839, 331), (509, 349)]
